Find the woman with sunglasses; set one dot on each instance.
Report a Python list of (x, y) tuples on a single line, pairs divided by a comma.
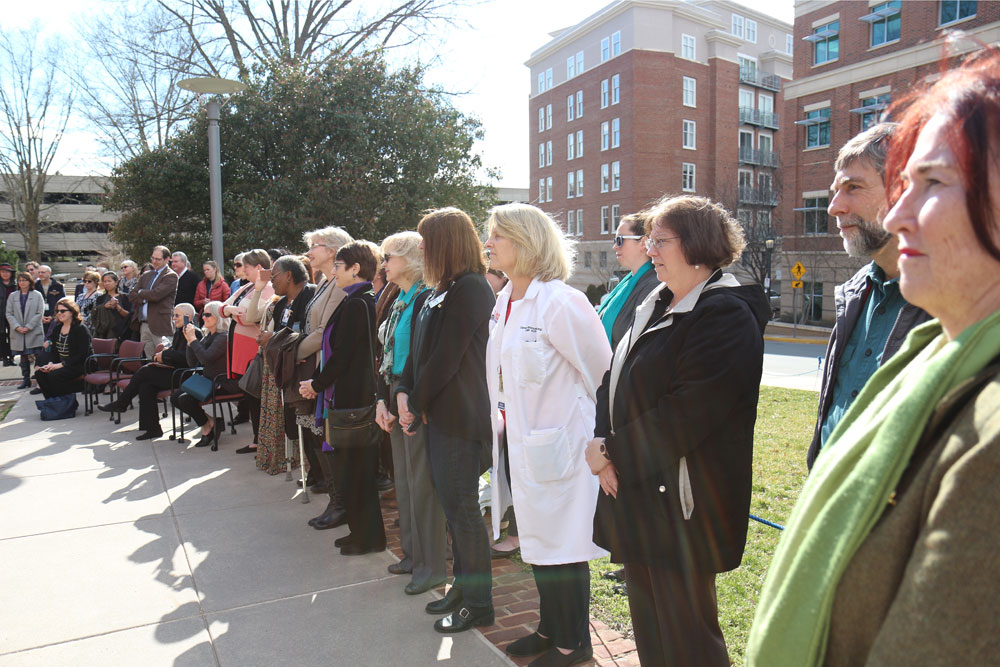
[(618, 308), (69, 343), (87, 299), (129, 276)]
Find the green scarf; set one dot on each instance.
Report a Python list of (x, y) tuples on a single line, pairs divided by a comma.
[(851, 484), (612, 306)]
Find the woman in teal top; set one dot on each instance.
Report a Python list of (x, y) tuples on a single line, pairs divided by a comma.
[(619, 306), (421, 518)]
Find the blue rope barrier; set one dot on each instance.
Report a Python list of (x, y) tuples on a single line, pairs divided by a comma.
[(766, 522)]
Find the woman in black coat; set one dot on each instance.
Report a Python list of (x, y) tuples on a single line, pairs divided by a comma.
[(674, 434), (69, 345), (347, 375), (444, 385)]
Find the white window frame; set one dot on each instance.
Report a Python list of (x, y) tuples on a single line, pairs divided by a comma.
[(579, 221), (616, 176), (579, 62), (689, 130), (605, 49), (750, 34), (579, 183), (789, 44), (541, 82), (885, 25), (548, 153), (958, 7), (737, 26), (689, 47), (541, 119), (570, 68), (605, 94), (605, 177), (541, 154), (605, 135), (570, 108), (616, 132), (570, 145), (689, 86), (579, 104), (616, 89), (548, 188), (579, 143), (616, 43), (570, 221), (570, 184), (616, 216), (548, 116), (689, 175), (548, 79), (541, 189), (605, 219)]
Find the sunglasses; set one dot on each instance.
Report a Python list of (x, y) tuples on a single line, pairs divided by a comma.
[(63, 310), (237, 264), (620, 240)]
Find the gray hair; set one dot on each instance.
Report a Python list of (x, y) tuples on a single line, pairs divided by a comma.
[(46, 267), (214, 308), (407, 246), (129, 262), (186, 309), (292, 265), (183, 257), (334, 237), (869, 146)]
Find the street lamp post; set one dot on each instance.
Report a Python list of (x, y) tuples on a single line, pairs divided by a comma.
[(215, 86), (769, 245)]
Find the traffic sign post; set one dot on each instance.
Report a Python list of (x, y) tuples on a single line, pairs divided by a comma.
[(798, 271)]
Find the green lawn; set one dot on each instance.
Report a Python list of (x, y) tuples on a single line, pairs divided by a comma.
[(785, 421)]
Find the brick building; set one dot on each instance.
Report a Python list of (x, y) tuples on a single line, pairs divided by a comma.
[(851, 60), (648, 97)]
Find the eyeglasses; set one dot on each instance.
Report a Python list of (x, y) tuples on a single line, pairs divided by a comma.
[(123, 267), (336, 264), (206, 314), (620, 240), (658, 243), (318, 245), (90, 281), (386, 257), (237, 264), (63, 310)]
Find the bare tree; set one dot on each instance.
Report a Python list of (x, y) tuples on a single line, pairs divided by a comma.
[(36, 101), (131, 93)]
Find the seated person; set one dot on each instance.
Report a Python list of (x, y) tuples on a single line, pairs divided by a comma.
[(69, 342)]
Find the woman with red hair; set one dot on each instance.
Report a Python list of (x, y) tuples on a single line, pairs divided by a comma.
[(890, 555)]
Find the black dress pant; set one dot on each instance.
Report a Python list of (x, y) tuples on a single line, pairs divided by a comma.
[(147, 382), (60, 382), (356, 468), (675, 617), (564, 603), (319, 465)]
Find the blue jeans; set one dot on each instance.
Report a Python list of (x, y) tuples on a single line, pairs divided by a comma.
[(455, 465)]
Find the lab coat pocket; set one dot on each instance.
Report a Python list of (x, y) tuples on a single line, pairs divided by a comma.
[(531, 363), (547, 454), (684, 489)]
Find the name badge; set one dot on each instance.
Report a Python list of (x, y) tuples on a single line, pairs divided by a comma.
[(436, 301), (502, 405)]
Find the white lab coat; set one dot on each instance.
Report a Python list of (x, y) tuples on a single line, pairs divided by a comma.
[(554, 353)]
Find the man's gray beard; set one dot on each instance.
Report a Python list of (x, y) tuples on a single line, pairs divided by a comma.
[(869, 239)]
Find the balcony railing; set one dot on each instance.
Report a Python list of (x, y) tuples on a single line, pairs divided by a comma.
[(761, 79), (758, 157), (760, 196), (758, 117)]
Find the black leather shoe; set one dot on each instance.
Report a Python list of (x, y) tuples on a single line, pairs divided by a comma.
[(336, 518), (112, 407), (399, 568), (343, 541), (36, 391), (449, 603), (614, 575), (352, 549), (24, 384), (554, 658), (206, 439), (249, 449), (464, 619), (149, 435), (330, 509), (529, 645), (416, 589)]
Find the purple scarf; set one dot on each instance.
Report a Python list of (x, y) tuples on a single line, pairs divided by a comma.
[(325, 399)]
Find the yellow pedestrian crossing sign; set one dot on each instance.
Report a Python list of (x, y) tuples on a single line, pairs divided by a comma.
[(798, 271), (796, 284)]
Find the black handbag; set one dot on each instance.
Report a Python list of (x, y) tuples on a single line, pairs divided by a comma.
[(349, 428), (250, 381)]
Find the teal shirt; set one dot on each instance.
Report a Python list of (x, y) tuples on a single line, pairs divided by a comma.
[(615, 301), (863, 352), (401, 349)]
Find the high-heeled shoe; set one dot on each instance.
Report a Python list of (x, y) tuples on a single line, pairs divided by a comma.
[(207, 439)]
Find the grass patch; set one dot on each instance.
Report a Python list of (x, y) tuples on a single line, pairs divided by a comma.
[(5, 408), (785, 419)]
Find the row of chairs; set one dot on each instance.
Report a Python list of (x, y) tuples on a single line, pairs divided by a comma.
[(108, 369)]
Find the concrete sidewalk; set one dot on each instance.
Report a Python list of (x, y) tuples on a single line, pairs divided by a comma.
[(118, 552)]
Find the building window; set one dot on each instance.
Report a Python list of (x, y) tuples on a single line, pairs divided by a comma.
[(814, 215), (605, 96), (541, 189), (605, 49), (616, 134), (826, 42), (570, 184), (570, 145), (579, 222), (687, 47), (744, 179), (541, 119), (738, 25), (616, 43), (570, 220), (877, 104), (548, 79), (605, 177), (579, 187), (548, 188), (579, 143), (541, 82), (570, 108), (541, 155), (615, 89), (789, 44), (690, 86), (616, 176), (818, 132), (605, 219), (605, 136), (548, 116), (570, 68), (812, 297), (884, 20), (579, 62), (751, 31), (956, 10), (688, 177), (748, 67), (548, 153), (616, 216), (688, 133), (586, 260), (579, 104), (602, 259)]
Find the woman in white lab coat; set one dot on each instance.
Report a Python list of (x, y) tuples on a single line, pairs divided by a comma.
[(546, 355)]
